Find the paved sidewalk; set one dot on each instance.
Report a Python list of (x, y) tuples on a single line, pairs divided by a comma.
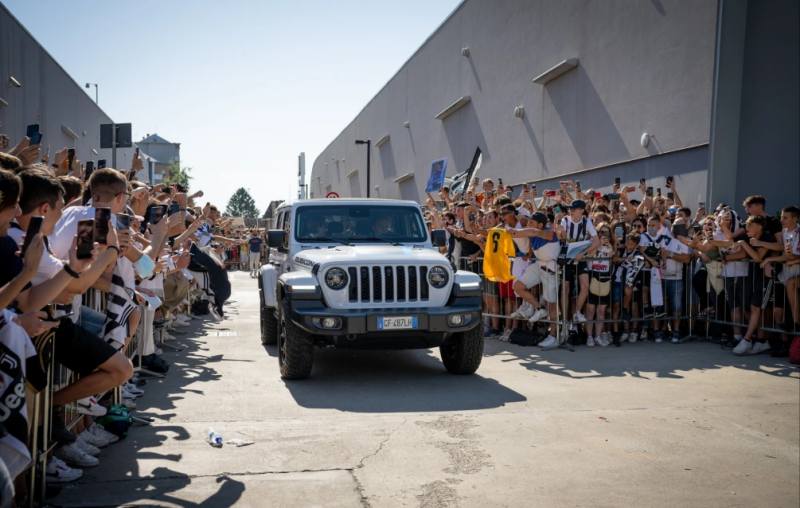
[(642, 425)]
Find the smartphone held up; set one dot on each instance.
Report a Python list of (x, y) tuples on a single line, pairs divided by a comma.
[(101, 218), (85, 238), (34, 226)]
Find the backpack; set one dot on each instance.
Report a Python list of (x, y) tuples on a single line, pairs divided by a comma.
[(794, 351), (522, 337), (200, 307), (117, 420)]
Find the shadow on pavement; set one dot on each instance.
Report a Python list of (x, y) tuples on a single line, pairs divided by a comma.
[(394, 381), (119, 467), (642, 360)]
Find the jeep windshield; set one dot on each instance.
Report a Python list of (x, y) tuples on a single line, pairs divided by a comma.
[(359, 224)]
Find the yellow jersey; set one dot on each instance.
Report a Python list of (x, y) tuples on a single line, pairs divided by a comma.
[(497, 255)]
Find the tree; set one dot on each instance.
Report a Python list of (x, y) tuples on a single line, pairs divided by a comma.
[(178, 175), (242, 204)]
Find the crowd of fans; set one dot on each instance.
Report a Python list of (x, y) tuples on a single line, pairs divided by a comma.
[(69, 232), (630, 264)]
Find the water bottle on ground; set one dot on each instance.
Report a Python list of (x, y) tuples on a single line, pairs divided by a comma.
[(214, 438)]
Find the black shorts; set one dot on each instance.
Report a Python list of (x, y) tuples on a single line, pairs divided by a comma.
[(594, 299), (79, 350), (738, 292), (573, 270)]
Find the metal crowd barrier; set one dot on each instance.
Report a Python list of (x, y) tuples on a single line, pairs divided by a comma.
[(697, 306), (42, 412)]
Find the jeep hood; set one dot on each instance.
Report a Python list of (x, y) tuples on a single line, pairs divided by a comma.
[(370, 254)]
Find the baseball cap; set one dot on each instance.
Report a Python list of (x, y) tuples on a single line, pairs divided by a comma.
[(539, 217), (578, 203)]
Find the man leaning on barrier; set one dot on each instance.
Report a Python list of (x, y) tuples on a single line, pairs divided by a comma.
[(546, 248)]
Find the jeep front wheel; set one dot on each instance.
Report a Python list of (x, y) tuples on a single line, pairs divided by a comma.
[(463, 352), (269, 326), (295, 349)]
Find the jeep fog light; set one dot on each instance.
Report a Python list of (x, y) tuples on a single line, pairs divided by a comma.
[(327, 323), (457, 319)]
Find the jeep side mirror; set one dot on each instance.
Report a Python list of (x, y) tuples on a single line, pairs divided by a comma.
[(276, 238), (439, 237)]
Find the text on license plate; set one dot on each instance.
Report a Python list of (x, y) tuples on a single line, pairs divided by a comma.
[(397, 323)]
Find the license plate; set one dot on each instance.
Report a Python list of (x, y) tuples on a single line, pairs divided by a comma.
[(397, 323)]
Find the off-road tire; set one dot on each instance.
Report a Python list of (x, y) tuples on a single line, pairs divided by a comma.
[(463, 352), (295, 349), (269, 323)]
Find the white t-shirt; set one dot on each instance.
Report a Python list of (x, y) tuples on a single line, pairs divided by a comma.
[(49, 266), (792, 239), (731, 268), (645, 240), (673, 270), (16, 349)]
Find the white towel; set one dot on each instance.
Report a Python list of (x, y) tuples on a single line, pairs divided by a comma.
[(656, 297)]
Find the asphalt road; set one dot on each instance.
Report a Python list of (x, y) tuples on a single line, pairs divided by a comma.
[(643, 425)]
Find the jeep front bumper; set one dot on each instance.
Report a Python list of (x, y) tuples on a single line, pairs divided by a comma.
[(310, 315)]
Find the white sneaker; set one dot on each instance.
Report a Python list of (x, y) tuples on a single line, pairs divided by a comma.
[(128, 403), (602, 340), (100, 433), (539, 314), (212, 310), (89, 406), (589, 341), (758, 348), (127, 394), (578, 318), (549, 343), (644, 334), (87, 448), (633, 337), (74, 456), (132, 388), (88, 437), (743, 347), (181, 318), (624, 337), (58, 472), (504, 337), (524, 312)]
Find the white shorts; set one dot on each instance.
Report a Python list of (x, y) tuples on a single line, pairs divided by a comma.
[(518, 267), (789, 272), (535, 275)]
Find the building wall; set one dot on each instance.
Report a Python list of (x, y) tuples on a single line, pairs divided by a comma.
[(162, 152), (48, 96), (769, 137), (643, 67)]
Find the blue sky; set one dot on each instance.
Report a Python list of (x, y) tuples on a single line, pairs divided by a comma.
[(244, 86)]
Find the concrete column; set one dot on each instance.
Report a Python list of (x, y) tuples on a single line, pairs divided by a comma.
[(726, 102)]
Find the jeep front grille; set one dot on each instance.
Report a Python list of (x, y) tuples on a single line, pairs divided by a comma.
[(378, 284)]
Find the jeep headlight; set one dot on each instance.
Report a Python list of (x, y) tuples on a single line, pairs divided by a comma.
[(336, 279), (438, 277)]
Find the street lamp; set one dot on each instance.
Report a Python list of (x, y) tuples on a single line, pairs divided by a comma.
[(367, 142), (95, 91)]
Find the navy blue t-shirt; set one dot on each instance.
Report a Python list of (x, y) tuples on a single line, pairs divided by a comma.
[(255, 244)]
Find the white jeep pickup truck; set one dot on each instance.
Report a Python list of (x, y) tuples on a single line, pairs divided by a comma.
[(364, 273)]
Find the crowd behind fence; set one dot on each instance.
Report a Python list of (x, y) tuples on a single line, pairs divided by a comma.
[(585, 267)]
